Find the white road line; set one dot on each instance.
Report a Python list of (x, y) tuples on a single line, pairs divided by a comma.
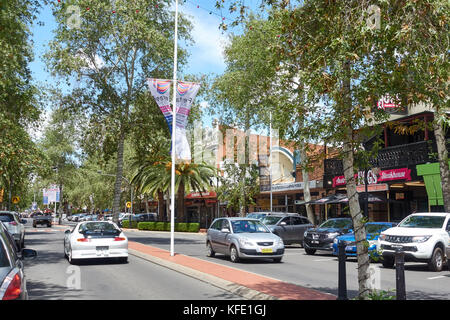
[(328, 259), (438, 277)]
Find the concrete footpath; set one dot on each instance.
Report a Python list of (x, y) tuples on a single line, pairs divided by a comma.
[(248, 285)]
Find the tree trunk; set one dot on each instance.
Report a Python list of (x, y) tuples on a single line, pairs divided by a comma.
[(441, 143), (161, 206), (306, 191), (180, 204), (352, 194), (119, 174)]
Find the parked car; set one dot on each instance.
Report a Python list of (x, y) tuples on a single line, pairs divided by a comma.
[(42, 218), (243, 238), (373, 231), (258, 215), (423, 237), (13, 283), (15, 226), (95, 239), (322, 237), (146, 217), (289, 227)]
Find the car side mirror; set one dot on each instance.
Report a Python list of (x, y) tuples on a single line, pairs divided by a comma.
[(225, 230), (28, 254), (67, 231), (282, 224)]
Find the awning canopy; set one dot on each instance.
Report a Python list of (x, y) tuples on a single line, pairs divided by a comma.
[(342, 198)]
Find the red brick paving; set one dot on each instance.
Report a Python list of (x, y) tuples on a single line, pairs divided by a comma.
[(281, 290)]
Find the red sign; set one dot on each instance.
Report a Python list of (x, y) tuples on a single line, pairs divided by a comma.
[(395, 174), (201, 195)]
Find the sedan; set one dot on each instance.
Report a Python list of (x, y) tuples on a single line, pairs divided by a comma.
[(95, 239), (243, 238), (15, 226), (13, 285), (373, 230)]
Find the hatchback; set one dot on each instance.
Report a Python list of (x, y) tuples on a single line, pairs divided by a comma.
[(243, 238), (15, 226)]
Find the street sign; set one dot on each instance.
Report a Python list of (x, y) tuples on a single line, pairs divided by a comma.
[(15, 199), (128, 204)]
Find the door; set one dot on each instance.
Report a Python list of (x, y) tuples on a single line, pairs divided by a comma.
[(222, 237), (284, 231), (213, 233)]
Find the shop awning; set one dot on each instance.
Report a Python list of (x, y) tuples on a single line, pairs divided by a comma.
[(332, 198), (432, 179)]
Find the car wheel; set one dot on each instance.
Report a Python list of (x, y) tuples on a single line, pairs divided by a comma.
[(71, 260), (437, 260), (234, 256), (277, 260), (387, 262), (310, 251), (209, 250), (22, 243), (123, 259)]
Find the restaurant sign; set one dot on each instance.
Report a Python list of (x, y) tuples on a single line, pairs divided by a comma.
[(372, 178)]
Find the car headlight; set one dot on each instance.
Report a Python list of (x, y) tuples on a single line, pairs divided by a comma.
[(245, 242), (280, 243), (305, 233), (332, 235), (420, 239), (382, 237)]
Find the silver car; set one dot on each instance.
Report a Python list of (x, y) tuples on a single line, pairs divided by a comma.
[(15, 226), (243, 238)]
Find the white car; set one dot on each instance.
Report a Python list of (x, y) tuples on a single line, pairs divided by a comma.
[(95, 239), (15, 226), (423, 237)]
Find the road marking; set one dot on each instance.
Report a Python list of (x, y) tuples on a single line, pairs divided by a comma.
[(438, 277), (328, 259)]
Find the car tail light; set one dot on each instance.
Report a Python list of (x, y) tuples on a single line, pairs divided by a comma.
[(83, 240), (13, 223), (14, 288), (119, 239)]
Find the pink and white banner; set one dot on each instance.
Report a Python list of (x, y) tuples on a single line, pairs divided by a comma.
[(395, 174)]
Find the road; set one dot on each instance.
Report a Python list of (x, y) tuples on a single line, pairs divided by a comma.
[(50, 276), (319, 271)]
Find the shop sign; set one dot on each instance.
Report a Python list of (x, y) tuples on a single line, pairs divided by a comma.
[(372, 178), (199, 195), (288, 186)]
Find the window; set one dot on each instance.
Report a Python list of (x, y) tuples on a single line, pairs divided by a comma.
[(287, 220), (4, 261), (248, 226), (297, 221), (217, 225), (423, 222), (306, 221), (6, 217), (225, 225)]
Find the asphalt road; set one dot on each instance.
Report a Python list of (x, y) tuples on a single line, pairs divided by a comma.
[(50, 276), (319, 271)]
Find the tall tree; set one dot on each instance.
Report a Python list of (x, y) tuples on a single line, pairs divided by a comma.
[(111, 51)]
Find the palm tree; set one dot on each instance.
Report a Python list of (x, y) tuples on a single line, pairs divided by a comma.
[(154, 177)]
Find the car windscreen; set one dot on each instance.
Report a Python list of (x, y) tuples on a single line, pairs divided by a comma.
[(6, 217), (337, 223), (422, 222), (270, 220), (376, 228), (98, 229), (252, 226)]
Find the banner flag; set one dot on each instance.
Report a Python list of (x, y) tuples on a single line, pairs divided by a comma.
[(160, 90), (186, 92), (185, 95), (45, 196)]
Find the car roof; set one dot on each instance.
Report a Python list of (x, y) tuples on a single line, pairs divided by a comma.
[(238, 218), (441, 214)]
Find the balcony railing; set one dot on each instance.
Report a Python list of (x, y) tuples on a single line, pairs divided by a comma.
[(392, 157)]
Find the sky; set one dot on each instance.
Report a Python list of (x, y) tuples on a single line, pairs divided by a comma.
[(206, 55)]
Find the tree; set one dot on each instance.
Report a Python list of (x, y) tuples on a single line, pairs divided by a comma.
[(154, 177), (112, 54)]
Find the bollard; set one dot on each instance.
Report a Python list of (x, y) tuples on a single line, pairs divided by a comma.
[(400, 274), (342, 280)]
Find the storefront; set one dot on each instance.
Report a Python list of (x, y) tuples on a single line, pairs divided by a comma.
[(201, 207)]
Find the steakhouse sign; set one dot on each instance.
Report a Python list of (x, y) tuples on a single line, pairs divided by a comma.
[(372, 178)]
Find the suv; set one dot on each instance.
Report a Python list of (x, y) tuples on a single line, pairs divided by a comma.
[(15, 226), (322, 237), (423, 237), (289, 227)]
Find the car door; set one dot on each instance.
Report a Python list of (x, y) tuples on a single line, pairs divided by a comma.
[(284, 231), (297, 229), (213, 234), (448, 243), (223, 236)]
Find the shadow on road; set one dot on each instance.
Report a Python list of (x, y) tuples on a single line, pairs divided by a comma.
[(39, 290)]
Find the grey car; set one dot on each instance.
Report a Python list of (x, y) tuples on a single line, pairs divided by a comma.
[(243, 238), (13, 283), (290, 227), (15, 226)]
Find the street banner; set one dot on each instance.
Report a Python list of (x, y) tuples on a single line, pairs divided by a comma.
[(45, 196), (160, 90), (185, 95), (186, 92), (53, 194)]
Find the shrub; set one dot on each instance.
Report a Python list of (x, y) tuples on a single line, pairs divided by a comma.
[(149, 225), (126, 224), (193, 227)]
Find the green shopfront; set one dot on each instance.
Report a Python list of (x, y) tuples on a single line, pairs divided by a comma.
[(431, 176)]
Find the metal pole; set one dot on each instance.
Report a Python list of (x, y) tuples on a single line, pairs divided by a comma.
[(400, 274), (174, 126), (342, 277), (270, 157)]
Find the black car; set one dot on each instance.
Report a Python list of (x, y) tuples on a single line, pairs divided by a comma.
[(12, 278), (321, 238), (141, 217)]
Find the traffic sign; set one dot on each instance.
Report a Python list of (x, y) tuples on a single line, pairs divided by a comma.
[(128, 204), (15, 199)]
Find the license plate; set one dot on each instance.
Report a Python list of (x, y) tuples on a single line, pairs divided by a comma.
[(267, 250), (349, 248), (315, 242), (102, 251)]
